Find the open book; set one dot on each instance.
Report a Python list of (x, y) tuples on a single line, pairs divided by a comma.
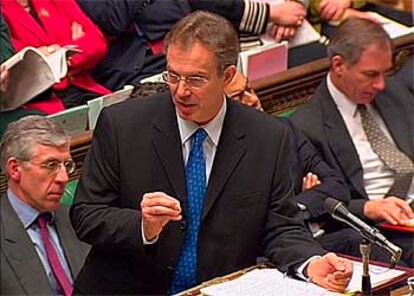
[(31, 72)]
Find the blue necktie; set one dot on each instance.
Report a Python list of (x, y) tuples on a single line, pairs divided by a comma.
[(185, 275)]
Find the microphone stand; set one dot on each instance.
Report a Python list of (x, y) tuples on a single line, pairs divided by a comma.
[(365, 249)]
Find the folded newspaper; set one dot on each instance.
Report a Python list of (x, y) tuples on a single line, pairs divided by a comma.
[(31, 72)]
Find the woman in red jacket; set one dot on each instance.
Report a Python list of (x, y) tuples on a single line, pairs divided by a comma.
[(51, 24)]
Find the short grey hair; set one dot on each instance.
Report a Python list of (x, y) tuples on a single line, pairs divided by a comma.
[(22, 135), (353, 36), (211, 30)]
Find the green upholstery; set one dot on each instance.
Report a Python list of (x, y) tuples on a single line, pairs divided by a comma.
[(69, 193), (286, 114)]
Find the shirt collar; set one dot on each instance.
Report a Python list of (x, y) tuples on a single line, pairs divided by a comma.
[(213, 127), (344, 104), (26, 213)]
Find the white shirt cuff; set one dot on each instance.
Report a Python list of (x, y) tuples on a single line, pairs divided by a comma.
[(144, 240), (301, 269)]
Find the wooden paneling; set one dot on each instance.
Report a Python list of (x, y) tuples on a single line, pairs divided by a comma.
[(278, 93)]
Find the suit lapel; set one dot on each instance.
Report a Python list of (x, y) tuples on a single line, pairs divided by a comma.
[(168, 148), (229, 152), (68, 240), (21, 254), (340, 141)]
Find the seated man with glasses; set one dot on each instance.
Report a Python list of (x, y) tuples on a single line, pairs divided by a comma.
[(40, 254)]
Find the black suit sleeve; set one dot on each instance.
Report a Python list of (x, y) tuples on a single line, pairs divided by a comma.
[(255, 14), (286, 240), (230, 9), (307, 159), (97, 215), (114, 17)]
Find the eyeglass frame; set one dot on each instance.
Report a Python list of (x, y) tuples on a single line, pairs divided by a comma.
[(187, 80), (54, 170)]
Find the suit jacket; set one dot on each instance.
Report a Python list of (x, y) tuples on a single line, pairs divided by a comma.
[(55, 19), (248, 208), (323, 124), (22, 271), (306, 158), (406, 73)]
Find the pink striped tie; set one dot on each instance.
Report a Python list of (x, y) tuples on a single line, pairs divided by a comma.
[(52, 256)]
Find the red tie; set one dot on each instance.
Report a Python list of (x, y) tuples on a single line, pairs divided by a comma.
[(52, 256)]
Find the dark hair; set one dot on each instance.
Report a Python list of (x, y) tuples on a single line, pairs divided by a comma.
[(353, 36), (212, 31)]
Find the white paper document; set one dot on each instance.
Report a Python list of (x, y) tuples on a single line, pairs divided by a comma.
[(73, 120), (378, 275), (96, 105), (264, 282), (271, 282), (393, 28)]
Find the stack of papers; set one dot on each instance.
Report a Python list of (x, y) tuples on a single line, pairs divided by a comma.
[(393, 28), (264, 282), (271, 282)]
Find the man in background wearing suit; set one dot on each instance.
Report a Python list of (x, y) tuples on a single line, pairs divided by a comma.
[(40, 254), (351, 104), (183, 187)]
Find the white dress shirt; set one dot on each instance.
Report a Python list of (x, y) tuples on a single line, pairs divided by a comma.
[(213, 129), (378, 178)]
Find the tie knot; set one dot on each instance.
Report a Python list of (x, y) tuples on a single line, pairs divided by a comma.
[(361, 108), (199, 136), (43, 220)]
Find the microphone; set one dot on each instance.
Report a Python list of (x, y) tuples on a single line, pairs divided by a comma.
[(372, 234)]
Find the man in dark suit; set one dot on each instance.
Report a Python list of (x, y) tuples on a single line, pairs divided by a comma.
[(361, 56), (165, 210), (35, 158)]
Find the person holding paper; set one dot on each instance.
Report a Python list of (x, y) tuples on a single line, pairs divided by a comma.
[(49, 25), (6, 52), (189, 185), (362, 122), (39, 252)]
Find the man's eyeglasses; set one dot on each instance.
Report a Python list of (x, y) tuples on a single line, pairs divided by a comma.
[(53, 166), (191, 81)]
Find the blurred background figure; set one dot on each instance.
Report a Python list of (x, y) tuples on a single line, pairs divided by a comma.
[(49, 25)]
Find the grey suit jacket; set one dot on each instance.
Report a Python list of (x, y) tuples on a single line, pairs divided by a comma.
[(323, 124), (22, 272)]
